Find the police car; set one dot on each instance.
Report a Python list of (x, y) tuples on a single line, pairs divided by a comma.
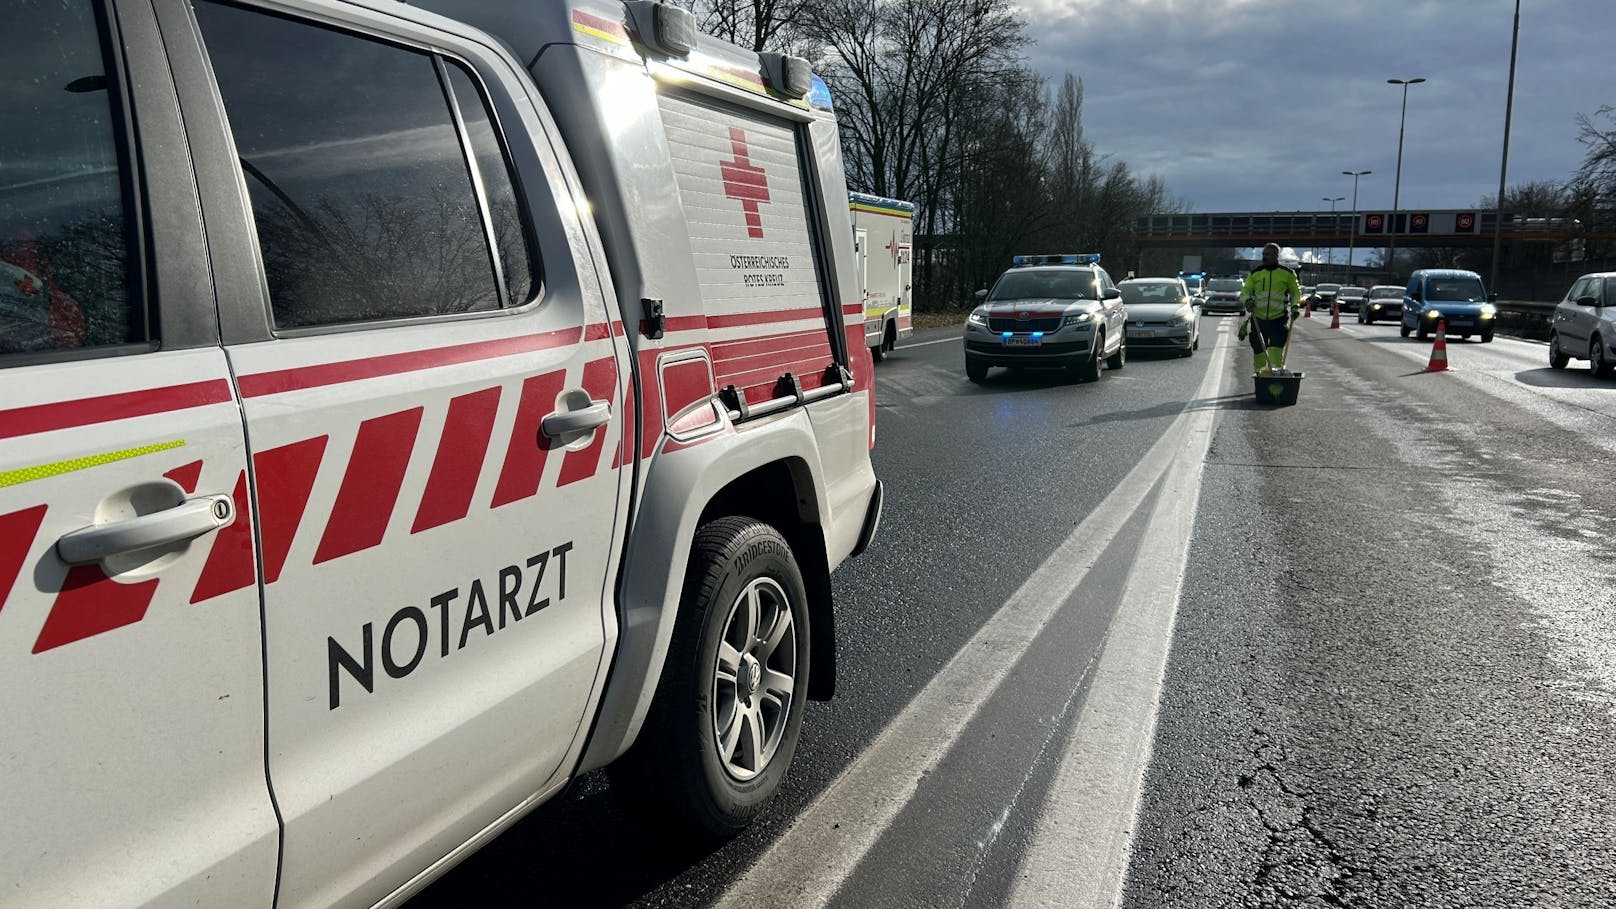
[(376, 459), (1052, 311)]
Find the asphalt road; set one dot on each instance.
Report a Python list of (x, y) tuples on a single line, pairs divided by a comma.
[(1390, 683)]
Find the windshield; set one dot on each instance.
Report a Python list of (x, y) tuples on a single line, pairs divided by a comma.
[(1328, 288), (1043, 285), (1352, 291), (1151, 292), (1458, 289), (1385, 293), (1224, 284)]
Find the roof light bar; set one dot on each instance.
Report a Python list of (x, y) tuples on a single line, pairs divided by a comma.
[(1058, 259)]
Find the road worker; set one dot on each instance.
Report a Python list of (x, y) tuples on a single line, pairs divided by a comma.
[(1273, 299)]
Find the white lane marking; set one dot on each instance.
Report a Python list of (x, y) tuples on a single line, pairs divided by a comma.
[(929, 343), (808, 863), (1080, 850)]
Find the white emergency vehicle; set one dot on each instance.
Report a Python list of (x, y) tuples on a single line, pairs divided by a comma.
[(883, 235), (400, 416)]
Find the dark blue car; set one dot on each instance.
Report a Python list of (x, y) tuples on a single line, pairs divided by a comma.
[(1448, 295)]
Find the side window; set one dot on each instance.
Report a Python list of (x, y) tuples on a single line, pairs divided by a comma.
[(1578, 290), (65, 214), (1413, 286), (1610, 292), (504, 206), (366, 203)]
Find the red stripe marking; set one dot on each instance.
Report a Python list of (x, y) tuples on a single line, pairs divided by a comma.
[(230, 565), (605, 25), (36, 418), (685, 323), (370, 487), (186, 476), (804, 369), (459, 463), (685, 383), (90, 603), (17, 530), (284, 380), (762, 359), (600, 383), (625, 445), (852, 309), (763, 318), (651, 418), (525, 456), (768, 343), (696, 419), (285, 478)]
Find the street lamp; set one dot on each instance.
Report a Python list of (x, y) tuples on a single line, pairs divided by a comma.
[(1397, 183), (1352, 240), (1503, 165), (1332, 200)]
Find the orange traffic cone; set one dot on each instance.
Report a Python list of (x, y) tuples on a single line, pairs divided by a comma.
[(1307, 310), (1439, 350), (1335, 314)]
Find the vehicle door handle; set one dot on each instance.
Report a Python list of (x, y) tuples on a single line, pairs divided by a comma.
[(187, 520), (572, 422)]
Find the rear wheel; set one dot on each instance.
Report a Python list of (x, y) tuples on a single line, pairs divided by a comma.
[(728, 711), (1599, 364), (1557, 357), (976, 370)]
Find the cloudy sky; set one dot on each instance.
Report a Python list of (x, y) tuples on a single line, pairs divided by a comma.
[(1193, 90)]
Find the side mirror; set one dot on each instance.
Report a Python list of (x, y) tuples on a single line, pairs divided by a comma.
[(1588, 301), (981, 295), (1492, 297), (1111, 293)]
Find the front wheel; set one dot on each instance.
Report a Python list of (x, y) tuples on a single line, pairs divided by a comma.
[(1425, 333), (1120, 358), (1403, 329), (1599, 364), (1557, 357), (728, 711), (976, 370), (1088, 368)]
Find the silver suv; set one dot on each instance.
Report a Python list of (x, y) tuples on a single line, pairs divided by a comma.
[(1585, 325), (1048, 311)]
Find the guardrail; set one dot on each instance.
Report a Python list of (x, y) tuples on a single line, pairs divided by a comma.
[(1525, 318)]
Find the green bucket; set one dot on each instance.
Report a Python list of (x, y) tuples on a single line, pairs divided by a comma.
[(1279, 391)]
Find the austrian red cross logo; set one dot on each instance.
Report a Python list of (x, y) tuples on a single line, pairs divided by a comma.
[(745, 182)]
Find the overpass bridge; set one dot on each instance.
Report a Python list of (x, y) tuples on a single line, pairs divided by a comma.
[(1412, 228)]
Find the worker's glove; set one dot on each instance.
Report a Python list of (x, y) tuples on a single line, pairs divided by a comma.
[(1245, 329)]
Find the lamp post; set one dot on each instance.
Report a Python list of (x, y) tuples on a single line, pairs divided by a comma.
[(1352, 241), (1503, 165), (1332, 200), (1397, 183)]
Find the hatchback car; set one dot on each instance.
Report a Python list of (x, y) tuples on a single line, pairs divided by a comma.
[(1448, 295), (1057, 311), (1351, 298), (1161, 315), (1323, 296), (1223, 295), (1385, 301), (1584, 326)]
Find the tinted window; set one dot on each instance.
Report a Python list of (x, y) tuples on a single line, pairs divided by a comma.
[(504, 206), (64, 244), (360, 186), (1456, 288), (1579, 289), (1046, 285), (1610, 292)]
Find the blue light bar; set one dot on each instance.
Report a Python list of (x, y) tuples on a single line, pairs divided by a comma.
[(1057, 259), (1038, 334)]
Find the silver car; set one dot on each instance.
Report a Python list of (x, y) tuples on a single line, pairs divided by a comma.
[(1059, 311), (1584, 325), (1161, 315)]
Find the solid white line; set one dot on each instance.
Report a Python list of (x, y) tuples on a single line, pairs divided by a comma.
[(929, 343), (1080, 850), (808, 863)]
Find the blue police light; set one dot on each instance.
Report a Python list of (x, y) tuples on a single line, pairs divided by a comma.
[(1057, 259), (1006, 335), (1037, 334)]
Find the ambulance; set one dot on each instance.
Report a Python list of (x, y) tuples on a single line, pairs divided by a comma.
[(405, 409), (883, 239)]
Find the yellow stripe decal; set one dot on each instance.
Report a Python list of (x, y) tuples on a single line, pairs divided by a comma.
[(42, 471), (906, 215), (597, 33)]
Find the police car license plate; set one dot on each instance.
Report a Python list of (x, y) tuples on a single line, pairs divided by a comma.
[(1023, 341), (1141, 333)]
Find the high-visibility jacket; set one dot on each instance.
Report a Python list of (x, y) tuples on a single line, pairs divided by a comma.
[(1269, 291)]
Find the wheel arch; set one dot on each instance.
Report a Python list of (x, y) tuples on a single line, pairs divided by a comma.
[(771, 473)]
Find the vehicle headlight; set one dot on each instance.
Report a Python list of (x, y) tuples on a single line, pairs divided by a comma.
[(1374, 306), (977, 317), (1488, 311), (1433, 314), (1179, 321), (1077, 318)]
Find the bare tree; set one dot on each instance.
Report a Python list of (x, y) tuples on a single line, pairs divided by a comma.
[(757, 24)]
